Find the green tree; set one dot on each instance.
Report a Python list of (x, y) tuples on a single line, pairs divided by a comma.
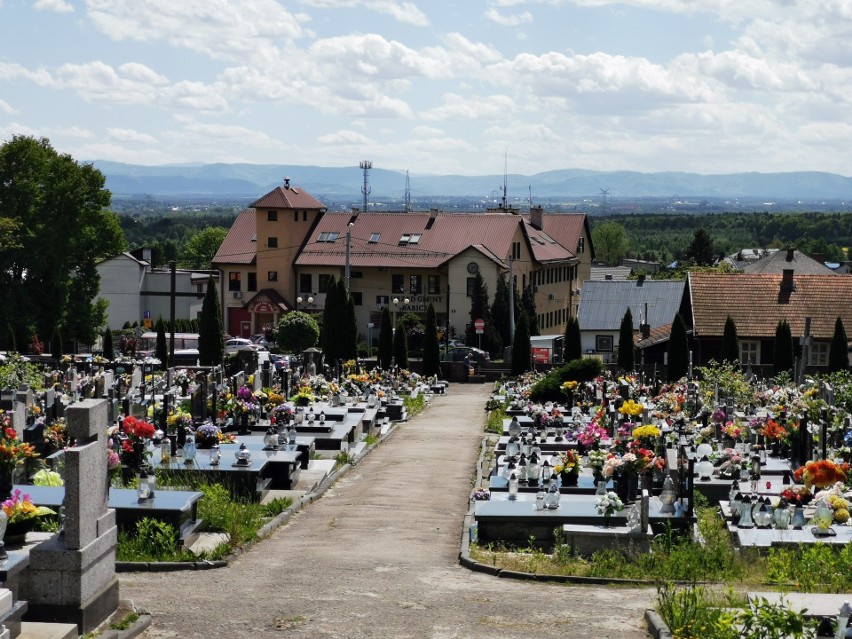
[(573, 343), (297, 331), (109, 351), (211, 339), (350, 334), (431, 350), (783, 348), (200, 249), (55, 229), (611, 242), (521, 347), (161, 350), (730, 342), (385, 351), (700, 250), (479, 309), (500, 310), (838, 351), (678, 350), (331, 323), (626, 357), (400, 345), (528, 305), (56, 344)]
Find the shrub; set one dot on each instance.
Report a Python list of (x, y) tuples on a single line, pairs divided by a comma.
[(549, 387)]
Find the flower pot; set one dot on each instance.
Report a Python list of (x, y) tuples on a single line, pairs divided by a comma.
[(6, 484), (16, 532), (569, 479)]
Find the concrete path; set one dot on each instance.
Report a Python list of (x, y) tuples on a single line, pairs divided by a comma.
[(377, 556)]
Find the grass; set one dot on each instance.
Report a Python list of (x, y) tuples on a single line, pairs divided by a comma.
[(494, 421), (677, 558), (125, 623), (414, 404)]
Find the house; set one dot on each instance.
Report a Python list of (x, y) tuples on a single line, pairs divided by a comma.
[(780, 261), (757, 302), (652, 303), (281, 254), (136, 292)]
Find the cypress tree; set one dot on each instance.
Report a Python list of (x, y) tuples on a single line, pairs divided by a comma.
[(211, 343), (838, 352), (56, 344), (521, 348), (678, 350), (350, 345), (161, 351), (330, 335), (783, 348), (109, 353), (573, 344), (400, 345), (626, 358), (500, 309), (385, 353), (431, 352), (528, 304), (730, 346)]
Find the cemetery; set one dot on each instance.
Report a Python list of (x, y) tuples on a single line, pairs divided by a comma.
[(97, 455)]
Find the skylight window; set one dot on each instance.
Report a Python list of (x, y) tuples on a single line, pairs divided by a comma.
[(330, 236), (374, 238), (406, 237), (414, 239)]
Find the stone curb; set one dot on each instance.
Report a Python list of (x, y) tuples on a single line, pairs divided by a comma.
[(656, 626), (263, 532), (138, 627)]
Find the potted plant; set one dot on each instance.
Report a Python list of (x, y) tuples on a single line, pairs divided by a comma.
[(23, 515)]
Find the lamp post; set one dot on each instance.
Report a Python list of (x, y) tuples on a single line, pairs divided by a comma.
[(300, 299), (395, 306)]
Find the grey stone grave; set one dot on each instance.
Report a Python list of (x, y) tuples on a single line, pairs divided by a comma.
[(135, 378), (71, 577)]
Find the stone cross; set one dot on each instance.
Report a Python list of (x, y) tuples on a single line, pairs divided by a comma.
[(135, 378)]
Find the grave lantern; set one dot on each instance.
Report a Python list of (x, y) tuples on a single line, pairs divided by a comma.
[(668, 496), (142, 492), (270, 440), (843, 619), (735, 488), (512, 447), (513, 487), (189, 450), (215, 455), (243, 455), (551, 500), (152, 484), (704, 468), (533, 470), (514, 427), (745, 514)]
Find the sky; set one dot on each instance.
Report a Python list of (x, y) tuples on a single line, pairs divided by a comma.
[(468, 87)]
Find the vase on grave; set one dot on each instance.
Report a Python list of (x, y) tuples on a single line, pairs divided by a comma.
[(569, 479), (626, 487), (16, 532), (6, 483)]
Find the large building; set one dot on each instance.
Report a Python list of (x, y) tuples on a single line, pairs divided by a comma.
[(281, 253)]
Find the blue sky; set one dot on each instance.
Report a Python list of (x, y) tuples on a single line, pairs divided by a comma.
[(709, 86)]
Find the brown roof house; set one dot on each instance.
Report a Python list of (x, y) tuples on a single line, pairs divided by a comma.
[(756, 303), (287, 243)]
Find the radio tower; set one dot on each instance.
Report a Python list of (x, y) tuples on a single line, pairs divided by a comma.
[(504, 202), (407, 202), (366, 165)]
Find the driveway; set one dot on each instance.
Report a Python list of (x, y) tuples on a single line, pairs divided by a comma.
[(377, 556)]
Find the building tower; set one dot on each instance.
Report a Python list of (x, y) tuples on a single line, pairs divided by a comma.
[(366, 165)]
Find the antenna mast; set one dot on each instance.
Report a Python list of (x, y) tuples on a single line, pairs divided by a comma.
[(407, 203), (366, 165), (504, 203), (604, 194)]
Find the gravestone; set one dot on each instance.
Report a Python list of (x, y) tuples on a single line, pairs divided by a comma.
[(109, 381), (71, 577), (135, 378)]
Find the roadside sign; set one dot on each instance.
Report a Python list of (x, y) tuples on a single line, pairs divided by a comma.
[(479, 325)]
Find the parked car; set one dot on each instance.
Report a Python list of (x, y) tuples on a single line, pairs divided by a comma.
[(280, 362), (240, 344), (460, 352)]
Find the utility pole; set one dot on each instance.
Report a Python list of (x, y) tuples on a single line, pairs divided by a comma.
[(173, 283), (511, 299), (348, 264)]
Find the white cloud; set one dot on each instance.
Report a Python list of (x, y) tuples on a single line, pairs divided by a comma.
[(508, 20), (407, 12), (59, 6), (458, 107), (344, 137), (130, 135), (6, 108)]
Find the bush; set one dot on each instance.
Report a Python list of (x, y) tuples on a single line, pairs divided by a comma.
[(549, 387)]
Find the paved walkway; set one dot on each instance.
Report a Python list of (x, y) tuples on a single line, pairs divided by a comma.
[(377, 556)]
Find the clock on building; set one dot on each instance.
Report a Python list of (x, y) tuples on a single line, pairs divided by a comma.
[(473, 268)]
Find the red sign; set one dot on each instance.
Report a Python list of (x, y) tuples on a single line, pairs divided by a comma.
[(541, 355), (262, 306), (479, 325)]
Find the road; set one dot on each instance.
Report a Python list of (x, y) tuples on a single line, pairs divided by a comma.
[(377, 556)]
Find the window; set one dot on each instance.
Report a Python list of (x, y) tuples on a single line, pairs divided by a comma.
[(374, 238), (414, 239), (304, 216), (272, 276), (749, 352), (471, 286), (323, 282), (415, 284), (234, 281), (818, 354), (272, 216), (252, 282), (305, 283), (382, 301), (329, 236), (516, 250), (433, 284), (603, 343), (356, 298), (356, 275), (397, 283), (403, 241), (581, 245), (272, 242)]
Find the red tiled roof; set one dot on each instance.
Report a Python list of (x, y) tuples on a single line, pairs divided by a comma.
[(756, 303), (544, 247), (565, 228), (448, 235), (658, 334), (287, 197), (239, 246)]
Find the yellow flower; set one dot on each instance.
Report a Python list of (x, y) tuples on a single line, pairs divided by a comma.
[(648, 431)]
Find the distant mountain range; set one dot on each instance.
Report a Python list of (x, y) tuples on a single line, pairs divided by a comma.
[(343, 184)]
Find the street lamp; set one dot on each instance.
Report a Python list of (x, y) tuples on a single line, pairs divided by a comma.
[(299, 300), (395, 306)]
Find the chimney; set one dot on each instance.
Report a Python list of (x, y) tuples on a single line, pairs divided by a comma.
[(608, 277), (286, 183), (787, 283), (433, 215), (536, 213), (640, 280), (791, 251), (646, 330)]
